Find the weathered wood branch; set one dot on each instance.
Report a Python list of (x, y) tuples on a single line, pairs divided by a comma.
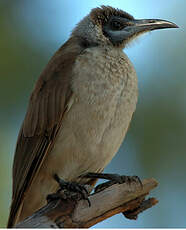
[(128, 199)]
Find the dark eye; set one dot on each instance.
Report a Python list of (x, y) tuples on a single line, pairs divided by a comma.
[(116, 25)]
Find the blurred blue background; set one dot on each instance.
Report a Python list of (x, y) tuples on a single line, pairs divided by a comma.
[(155, 146)]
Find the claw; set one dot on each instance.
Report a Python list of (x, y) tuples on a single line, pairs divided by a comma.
[(137, 179), (88, 200), (71, 187), (53, 196), (113, 179)]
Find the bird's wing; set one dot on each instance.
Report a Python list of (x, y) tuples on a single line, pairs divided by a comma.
[(43, 119)]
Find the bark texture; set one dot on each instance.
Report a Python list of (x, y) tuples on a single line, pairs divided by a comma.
[(128, 199)]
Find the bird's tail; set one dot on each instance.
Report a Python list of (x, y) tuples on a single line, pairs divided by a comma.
[(14, 215)]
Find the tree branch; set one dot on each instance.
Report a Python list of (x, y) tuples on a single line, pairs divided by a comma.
[(128, 199)]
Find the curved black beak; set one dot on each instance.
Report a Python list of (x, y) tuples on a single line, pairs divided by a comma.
[(151, 24), (136, 27)]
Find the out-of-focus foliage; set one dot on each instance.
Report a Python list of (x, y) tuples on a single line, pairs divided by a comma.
[(155, 146)]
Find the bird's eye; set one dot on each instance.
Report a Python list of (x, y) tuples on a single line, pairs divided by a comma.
[(116, 25)]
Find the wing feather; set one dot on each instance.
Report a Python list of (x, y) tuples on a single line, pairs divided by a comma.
[(42, 121)]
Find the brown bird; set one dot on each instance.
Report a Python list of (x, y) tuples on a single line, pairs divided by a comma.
[(79, 110)]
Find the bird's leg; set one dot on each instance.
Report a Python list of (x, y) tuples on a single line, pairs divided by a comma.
[(75, 191), (113, 179)]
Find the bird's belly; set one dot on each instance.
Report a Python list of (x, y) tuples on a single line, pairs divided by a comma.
[(89, 139)]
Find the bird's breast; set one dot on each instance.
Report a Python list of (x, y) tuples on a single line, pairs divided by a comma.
[(105, 84), (105, 87)]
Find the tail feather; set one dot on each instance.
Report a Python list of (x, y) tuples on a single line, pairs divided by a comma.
[(13, 218)]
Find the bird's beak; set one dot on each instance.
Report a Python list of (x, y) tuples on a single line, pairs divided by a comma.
[(133, 28), (136, 27), (151, 24)]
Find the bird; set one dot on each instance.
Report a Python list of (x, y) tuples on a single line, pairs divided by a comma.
[(79, 110)]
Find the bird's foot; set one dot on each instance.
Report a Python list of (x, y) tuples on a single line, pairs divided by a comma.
[(113, 179), (69, 190)]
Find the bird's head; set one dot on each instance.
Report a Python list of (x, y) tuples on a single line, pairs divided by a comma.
[(110, 26)]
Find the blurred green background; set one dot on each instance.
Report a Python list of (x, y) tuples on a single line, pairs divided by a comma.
[(155, 146)]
